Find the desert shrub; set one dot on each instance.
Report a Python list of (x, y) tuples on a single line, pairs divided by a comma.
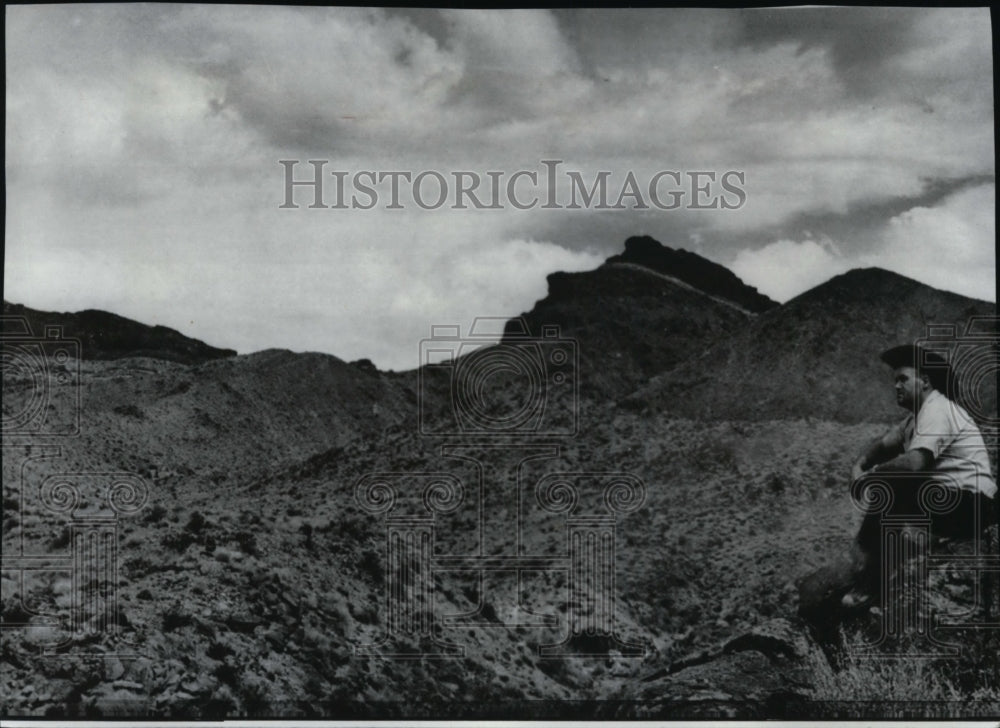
[(175, 619), (864, 679), (247, 542), (353, 529), (370, 563), (177, 541), (155, 514), (363, 611), (137, 568), (61, 541), (129, 410), (218, 651), (12, 610), (204, 419), (978, 670), (714, 455), (180, 388), (226, 673), (218, 707), (255, 699), (195, 523)]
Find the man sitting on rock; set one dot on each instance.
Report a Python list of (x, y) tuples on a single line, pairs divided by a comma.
[(938, 442)]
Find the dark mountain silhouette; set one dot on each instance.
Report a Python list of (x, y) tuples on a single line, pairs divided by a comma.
[(642, 313), (817, 355), (104, 335), (691, 268)]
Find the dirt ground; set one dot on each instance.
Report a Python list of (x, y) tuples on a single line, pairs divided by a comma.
[(250, 578)]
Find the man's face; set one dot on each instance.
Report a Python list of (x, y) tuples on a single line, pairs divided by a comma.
[(909, 388)]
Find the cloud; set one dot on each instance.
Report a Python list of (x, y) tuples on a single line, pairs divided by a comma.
[(785, 268), (355, 285), (946, 244), (516, 41), (939, 245), (881, 53), (143, 143)]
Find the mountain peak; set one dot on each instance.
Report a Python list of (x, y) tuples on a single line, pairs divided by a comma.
[(641, 313), (873, 286), (693, 269), (817, 355)]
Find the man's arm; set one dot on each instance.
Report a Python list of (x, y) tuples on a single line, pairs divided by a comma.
[(885, 448), (914, 460)]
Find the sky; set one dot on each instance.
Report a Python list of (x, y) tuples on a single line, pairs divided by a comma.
[(144, 147)]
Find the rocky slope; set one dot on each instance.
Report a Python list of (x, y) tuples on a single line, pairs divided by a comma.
[(252, 597), (227, 419), (104, 335), (253, 581), (694, 270), (642, 313), (818, 354)]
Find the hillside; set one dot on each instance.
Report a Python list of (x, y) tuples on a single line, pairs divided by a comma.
[(227, 419), (642, 313), (104, 335), (815, 356), (714, 441)]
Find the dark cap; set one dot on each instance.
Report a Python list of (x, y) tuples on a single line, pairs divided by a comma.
[(927, 362)]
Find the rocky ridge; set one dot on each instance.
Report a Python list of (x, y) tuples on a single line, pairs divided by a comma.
[(104, 335), (818, 354)]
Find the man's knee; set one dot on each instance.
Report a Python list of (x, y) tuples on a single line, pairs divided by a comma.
[(969, 520)]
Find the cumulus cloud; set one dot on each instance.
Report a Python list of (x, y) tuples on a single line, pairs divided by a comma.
[(947, 246), (785, 268), (143, 144), (309, 280)]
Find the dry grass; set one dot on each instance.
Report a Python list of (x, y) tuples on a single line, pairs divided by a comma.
[(869, 685)]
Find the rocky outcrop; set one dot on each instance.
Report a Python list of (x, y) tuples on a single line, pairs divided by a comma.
[(818, 354), (693, 269), (628, 323), (757, 674)]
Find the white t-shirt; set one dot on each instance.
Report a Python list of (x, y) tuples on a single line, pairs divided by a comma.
[(952, 437)]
